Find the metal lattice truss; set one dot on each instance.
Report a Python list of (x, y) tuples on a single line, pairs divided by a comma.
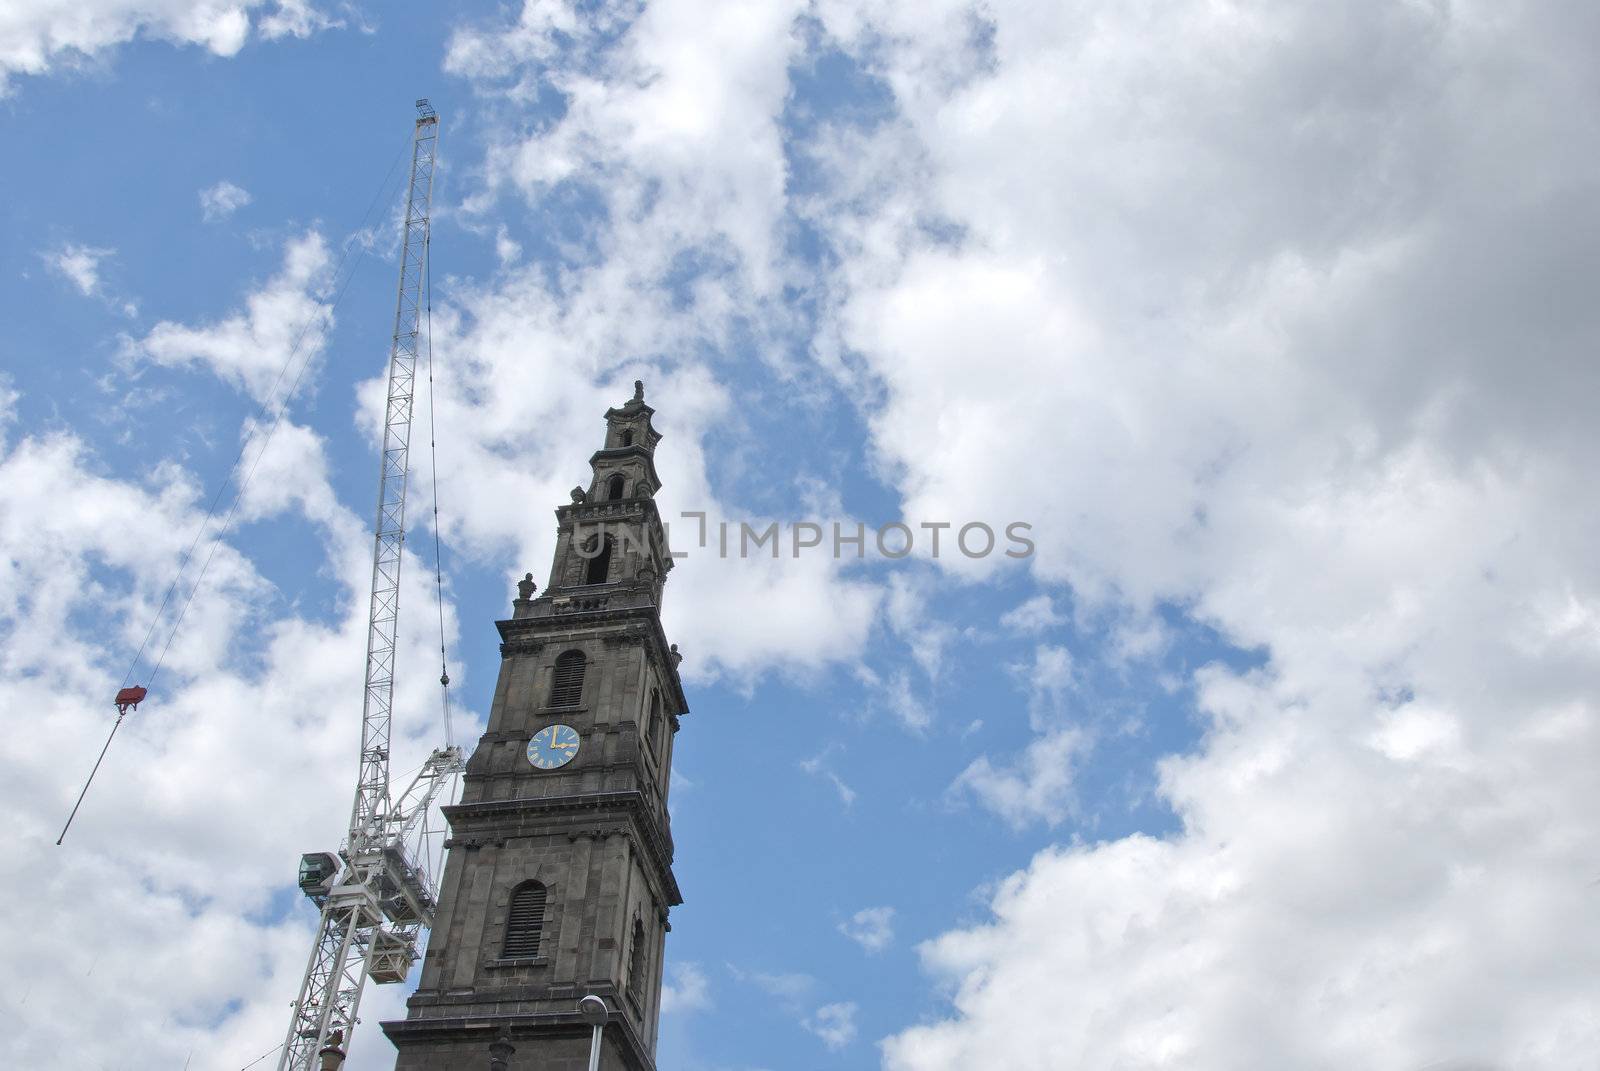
[(372, 787), (375, 915), (372, 921)]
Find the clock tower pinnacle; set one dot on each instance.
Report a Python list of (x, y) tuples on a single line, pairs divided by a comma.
[(558, 874)]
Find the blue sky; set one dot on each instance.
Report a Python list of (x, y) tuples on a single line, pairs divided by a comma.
[(1269, 321)]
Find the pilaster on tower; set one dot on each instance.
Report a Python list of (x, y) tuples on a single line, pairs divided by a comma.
[(558, 877)]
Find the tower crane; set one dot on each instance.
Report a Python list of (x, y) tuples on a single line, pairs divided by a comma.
[(376, 896)]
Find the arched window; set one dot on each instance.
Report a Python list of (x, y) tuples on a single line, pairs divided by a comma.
[(566, 687), (614, 487), (627, 438), (599, 567), (524, 921), (636, 963)]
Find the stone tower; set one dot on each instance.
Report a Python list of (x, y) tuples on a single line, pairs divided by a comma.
[(558, 876)]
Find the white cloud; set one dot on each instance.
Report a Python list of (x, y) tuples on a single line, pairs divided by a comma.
[(672, 124), (817, 766), (85, 558), (686, 989), (286, 472), (37, 37), (1049, 679), (295, 18), (263, 348), (506, 248), (133, 890), (1035, 615), (835, 1024), (1037, 787), (1292, 306), (789, 988), (79, 265), (872, 928), (911, 618), (8, 403), (675, 123), (495, 390), (222, 200)]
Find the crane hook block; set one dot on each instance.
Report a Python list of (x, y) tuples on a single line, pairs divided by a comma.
[(130, 697)]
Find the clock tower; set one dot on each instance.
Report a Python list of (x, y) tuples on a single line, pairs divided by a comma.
[(558, 872)]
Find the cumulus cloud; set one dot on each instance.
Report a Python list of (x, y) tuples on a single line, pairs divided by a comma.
[(686, 989), (134, 889), (506, 248), (1035, 615), (1293, 304), (39, 37), (79, 265), (1048, 680), (835, 1024), (295, 18), (675, 181), (283, 325), (1291, 301), (252, 695), (219, 202), (1037, 786), (911, 618), (872, 928)]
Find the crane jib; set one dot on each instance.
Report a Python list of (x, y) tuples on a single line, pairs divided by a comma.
[(376, 897)]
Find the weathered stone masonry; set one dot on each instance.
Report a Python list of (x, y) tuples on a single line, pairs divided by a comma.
[(593, 833)]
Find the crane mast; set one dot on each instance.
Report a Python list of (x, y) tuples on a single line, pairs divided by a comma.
[(376, 897)]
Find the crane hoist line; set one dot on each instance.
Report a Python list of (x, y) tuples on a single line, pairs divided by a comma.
[(377, 898), (273, 408)]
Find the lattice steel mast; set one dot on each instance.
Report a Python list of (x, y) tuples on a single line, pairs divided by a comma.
[(377, 899)]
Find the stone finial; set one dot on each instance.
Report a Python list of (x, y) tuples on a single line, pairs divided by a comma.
[(638, 390), (577, 496), (500, 1050), (332, 1053), (526, 587), (677, 658)]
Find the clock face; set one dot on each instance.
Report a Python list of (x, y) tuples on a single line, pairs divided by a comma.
[(553, 746)]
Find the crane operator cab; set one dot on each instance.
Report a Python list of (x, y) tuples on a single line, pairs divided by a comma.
[(318, 870)]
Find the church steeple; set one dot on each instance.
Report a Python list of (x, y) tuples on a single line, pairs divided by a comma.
[(611, 534), (558, 876)]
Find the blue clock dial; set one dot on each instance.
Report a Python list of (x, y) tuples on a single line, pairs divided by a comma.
[(553, 746)]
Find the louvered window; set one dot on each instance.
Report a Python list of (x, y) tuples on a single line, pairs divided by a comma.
[(627, 438), (636, 964), (566, 688), (614, 487), (524, 920)]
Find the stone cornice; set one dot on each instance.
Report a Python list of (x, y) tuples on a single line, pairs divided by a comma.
[(489, 1027), (630, 451), (487, 819)]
